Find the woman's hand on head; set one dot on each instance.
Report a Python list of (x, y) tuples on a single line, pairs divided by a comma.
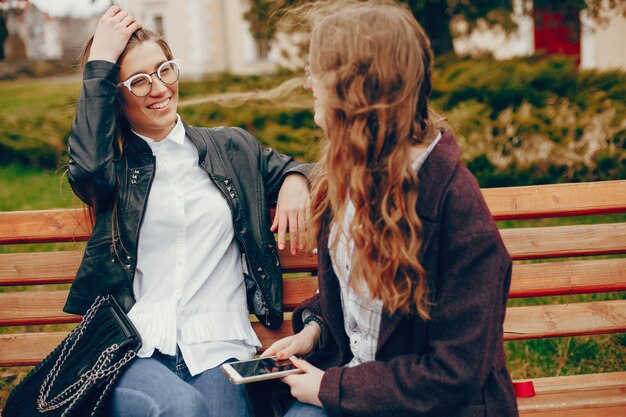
[(298, 344), (292, 212), (112, 33)]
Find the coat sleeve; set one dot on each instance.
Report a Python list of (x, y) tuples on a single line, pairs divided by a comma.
[(463, 333), (274, 166), (91, 168)]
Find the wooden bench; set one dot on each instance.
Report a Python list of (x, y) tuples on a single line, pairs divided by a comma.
[(602, 394)]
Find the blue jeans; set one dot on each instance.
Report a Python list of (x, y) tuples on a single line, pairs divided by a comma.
[(299, 409), (161, 386)]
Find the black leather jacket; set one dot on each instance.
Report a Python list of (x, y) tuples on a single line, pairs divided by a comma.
[(248, 176)]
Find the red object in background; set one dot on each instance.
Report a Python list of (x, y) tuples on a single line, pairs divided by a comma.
[(557, 31), (524, 389)]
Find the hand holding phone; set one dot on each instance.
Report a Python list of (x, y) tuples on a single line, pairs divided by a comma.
[(258, 369)]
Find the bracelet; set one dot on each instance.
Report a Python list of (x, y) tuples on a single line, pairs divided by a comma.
[(313, 318)]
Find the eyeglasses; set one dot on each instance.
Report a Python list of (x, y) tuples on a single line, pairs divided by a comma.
[(140, 85), (308, 76)]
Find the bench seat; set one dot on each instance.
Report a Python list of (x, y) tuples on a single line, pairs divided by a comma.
[(562, 260)]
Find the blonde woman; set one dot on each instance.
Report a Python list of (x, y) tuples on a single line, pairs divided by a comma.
[(413, 274), (182, 235)]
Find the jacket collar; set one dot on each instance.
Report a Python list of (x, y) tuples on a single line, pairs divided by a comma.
[(139, 148), (434, 176), (199, 141)]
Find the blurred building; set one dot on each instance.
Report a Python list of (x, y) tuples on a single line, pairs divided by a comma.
[(34, 35), (213, 36), (602, 45), (207, 35), (571, 32)]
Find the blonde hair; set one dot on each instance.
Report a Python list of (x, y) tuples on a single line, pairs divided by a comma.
[(374, 61)]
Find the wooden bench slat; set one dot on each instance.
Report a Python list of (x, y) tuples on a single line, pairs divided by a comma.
[(579, 382), (524, 243), (297, 263), (533, 322), (568, 277), (21, 308), (556, 200), (40, 226), (39, 267), (595, 394), (564, 241), (25, 349), (59, 267), (529, 280), (599, 411), (29, 307)]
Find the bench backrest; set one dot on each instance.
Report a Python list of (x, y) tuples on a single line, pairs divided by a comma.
[(38, 300)]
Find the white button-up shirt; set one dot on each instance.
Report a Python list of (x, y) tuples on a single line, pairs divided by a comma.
[(361, 313), (189, 281)]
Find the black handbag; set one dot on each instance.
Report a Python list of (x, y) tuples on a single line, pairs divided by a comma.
[(77, 377)]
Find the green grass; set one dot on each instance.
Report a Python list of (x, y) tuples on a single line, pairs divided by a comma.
[(23, 188), (566, 355), (35, 119), (38, 97)]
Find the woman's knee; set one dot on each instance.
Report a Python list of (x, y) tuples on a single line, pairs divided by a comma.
[(174, 401), (189, 403)]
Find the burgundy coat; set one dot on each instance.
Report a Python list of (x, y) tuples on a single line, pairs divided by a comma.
[(454, 364)]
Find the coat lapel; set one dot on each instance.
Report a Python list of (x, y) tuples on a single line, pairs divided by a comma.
[(330, 293), (433, 177)]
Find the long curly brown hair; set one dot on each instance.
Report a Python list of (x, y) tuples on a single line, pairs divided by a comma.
[(374, 62)]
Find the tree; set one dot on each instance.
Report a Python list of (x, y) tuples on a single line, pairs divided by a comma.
[(436, 16), (4, 34), (260, 16)]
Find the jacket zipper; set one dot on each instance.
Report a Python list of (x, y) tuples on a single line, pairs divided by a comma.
[(240, 240)]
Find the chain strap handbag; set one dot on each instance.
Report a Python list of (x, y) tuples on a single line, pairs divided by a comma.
[(77, 377)]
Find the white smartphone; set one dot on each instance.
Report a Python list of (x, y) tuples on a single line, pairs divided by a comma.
[(258, 369)]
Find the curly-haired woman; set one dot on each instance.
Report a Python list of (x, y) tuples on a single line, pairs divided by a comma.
[(413, 274)]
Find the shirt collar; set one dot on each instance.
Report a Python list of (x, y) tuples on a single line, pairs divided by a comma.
[(176, 135), (419, 161)]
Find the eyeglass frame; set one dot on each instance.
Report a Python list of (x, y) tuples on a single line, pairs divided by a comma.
[(149, 76)]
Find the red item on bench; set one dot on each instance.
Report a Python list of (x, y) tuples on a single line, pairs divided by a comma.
[(524, 389)]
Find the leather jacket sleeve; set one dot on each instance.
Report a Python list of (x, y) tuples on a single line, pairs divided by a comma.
[(94, 130), (274, 166)]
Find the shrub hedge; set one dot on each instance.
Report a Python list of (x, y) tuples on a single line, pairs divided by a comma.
[(521, 121)]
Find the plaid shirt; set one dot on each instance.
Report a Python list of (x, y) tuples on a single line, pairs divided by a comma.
[(361, 314)]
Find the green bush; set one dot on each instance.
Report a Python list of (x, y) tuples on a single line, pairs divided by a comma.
[(534, 120), (521, 121)]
